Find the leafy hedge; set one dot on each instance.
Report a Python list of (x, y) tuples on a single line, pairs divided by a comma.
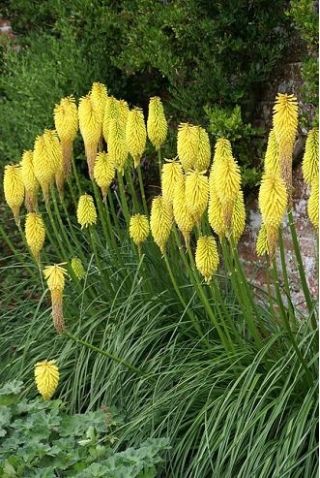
[(192, 53)]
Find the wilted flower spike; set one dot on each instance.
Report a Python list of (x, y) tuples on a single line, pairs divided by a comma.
[(136, 135), (54, 276), (272, 203), (197, 193), (156, 124), (310, 163), (170, 176), (78, 268), (29, 180), (139, 229), (313, 204), (161, 219), (47, 378), (271, 161), (104, 172), (206, 257), (13, 189), (262, 247), (35, 233), (86, 211)]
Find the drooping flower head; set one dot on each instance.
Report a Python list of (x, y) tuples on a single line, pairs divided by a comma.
[(136, 134), (161, 220), (46, 376), (104, 172), (272, 202), (310, 163), (117, 146), (35, 233), (197, 193), (55, 277), (139, 229), (78, 268), (207, 257), (90, 129), (170, 175), (29, 180), (156, 124), (86, 211), (13, 189)]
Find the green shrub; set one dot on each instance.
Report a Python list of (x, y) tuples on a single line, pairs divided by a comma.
[(38, 439)]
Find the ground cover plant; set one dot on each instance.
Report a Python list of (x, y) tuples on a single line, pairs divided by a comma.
[(142, 300)]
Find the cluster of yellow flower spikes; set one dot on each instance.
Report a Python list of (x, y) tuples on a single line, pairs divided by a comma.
[(275, 195)]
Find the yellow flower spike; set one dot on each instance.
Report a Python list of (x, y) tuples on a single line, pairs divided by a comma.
[(139, 229), (197, 193), (202, 160), (55, 277), (170, 175), (271, 160), (78, 268), (182, 216), (187, 145), (35, 233), (29, 180), (215, 215), (272, 202), (55, 157), (66, 124), (225, 178), (86, 211), (313, 204), (123, 112), (136, 135), (112, 111), (238, 221), (13, 189), (118, 150), (285, 125), (104, 172), (207, 257), (90, 129), (99, 95), (310, 163), (262, 246), (43, 168), (46, 376), (157, 126), (161, 220)]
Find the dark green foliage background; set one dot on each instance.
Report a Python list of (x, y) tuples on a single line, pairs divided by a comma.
[(192, 53)]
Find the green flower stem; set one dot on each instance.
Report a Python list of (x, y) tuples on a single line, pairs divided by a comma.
[(159, 163), (94, 239), (124, 203), (15, 251), (105, 353), (102, 214), (75, 173), (64, 235), (136, 206), (224, 335), (285, 274), (303, 279), (183, 303), (286, 322), (113, 213), (56, 234), (142, 192)]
